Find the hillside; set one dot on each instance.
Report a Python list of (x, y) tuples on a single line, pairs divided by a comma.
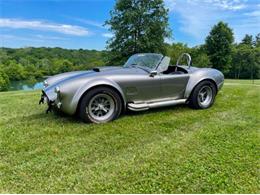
[(24, 63)]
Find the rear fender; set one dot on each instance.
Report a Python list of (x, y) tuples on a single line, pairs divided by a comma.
[(200, 75)]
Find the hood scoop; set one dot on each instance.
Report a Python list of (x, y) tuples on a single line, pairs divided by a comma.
[(105, 68)]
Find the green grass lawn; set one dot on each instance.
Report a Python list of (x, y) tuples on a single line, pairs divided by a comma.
[(255, 82), (170, 150)]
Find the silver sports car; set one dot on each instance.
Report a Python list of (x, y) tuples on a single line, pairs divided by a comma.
[(146, 81)]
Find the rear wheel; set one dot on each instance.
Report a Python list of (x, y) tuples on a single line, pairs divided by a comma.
[(203, 95), (100, 105)]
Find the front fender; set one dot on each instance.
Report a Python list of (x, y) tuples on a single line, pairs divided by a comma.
[(93, 83)]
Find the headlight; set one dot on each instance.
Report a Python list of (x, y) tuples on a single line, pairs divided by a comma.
[(45, 83), (57, 89)]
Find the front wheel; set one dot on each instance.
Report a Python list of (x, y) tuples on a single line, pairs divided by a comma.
[(100, 105), (203, 95)]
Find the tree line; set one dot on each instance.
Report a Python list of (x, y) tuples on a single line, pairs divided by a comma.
[(139, 26)]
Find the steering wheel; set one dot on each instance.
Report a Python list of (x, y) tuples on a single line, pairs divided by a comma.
[(188, 58)]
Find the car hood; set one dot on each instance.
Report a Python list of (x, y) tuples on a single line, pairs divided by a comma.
[(98, 71)]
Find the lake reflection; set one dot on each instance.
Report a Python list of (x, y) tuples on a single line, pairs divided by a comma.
[(26, 85)]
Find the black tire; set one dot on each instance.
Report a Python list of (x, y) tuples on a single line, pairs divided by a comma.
[(87, 115), (194, 100)]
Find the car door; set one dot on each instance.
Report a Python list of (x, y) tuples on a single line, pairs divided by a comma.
[(173, 86), (138, 85), (141, 88)]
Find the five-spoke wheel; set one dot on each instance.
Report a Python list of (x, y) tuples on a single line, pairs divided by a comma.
[(203, 95)]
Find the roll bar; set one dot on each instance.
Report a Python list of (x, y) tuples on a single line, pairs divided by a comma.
[(188, 58)]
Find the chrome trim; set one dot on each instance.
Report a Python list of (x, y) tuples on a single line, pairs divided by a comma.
[(148, 105), (45, 84), (137, 107), (59, 104), (57, 89)]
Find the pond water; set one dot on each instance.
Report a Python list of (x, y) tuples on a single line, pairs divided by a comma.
[(26, 85)]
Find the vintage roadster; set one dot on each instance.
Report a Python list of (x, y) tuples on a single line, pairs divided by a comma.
[(146, 81)]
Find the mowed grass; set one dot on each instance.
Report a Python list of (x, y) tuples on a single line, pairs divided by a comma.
[(243, 82), (169, 150)]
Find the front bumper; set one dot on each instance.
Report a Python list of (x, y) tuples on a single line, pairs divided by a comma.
[(55, 103)]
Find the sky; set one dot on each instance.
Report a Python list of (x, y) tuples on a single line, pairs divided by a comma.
[(78, 24)]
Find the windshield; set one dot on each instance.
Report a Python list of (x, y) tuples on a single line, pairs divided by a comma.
[(147, 61)]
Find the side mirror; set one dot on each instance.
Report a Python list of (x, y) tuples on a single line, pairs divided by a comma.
[(153, 73)]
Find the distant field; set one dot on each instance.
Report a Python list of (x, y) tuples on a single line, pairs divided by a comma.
[(169, 150), (257, 82)]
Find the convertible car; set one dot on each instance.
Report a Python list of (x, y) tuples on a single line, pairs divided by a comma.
[(146, 81)]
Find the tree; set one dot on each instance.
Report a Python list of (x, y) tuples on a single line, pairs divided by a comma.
[(3, 56), (61, 65), (245, 62), (4, 80), (15, 71), (199, 56), (257, 40), (256, 65), (138, 26), (219, 46), (175, 50), (248, 40)]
